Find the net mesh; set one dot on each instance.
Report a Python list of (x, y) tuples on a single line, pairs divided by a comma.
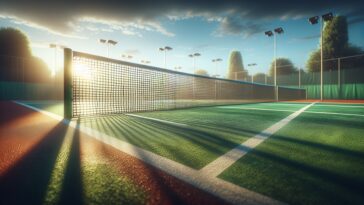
[(106, 86)]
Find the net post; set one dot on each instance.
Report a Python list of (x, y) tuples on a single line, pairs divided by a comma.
[(68, 56)]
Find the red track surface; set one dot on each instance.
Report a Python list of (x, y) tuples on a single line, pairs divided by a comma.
[(28, 140)]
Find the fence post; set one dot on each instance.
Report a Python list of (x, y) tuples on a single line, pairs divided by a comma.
[(299, 78), (68, 57)]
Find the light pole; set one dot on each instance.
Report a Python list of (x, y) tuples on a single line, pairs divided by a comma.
[(237, 72), (108, 43), (145, 61), (278, 30), (194, 56), (251, 65), (314, 20), (126, 57), (55, 47), (216, 61), (165, 49)]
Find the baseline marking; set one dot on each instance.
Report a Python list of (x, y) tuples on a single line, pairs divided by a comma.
[(218, 187), (217, 166)]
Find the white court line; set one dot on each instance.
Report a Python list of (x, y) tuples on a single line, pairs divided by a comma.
[(335, 113), (317, 112), (322, 105), (218, 187), (217, 166), (158, 120)]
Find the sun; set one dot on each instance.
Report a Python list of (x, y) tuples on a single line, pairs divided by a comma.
[(82, 71)]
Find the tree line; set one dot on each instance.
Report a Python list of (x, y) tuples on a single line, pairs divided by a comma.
[(17, 64), (336, 44)]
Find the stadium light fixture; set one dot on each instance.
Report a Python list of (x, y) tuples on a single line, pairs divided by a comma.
[(145, 61), (216, 61), (125, 56), (327, 17), (55, 46), (194, 56), (314, 20), (251, 65), (165, 49), (177, 67), (108, 43), (278, 30), (268, 33)]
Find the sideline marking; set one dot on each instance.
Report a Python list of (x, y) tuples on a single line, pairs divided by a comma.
[(323, 105), (218, 187), (158, 120), (317, 112), (217, 166)]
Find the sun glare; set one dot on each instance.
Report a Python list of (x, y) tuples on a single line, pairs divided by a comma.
[(82, 70)]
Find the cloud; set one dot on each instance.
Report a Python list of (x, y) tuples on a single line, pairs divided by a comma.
[(133, 17), (236, 26)]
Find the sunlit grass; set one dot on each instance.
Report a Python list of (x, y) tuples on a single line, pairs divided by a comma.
[(210, 133), (315, 159), (101, 182)]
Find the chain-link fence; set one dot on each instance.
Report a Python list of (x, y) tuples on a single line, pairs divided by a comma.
[(343, 78)]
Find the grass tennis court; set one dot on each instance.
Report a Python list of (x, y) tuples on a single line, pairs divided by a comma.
[(317, 158)]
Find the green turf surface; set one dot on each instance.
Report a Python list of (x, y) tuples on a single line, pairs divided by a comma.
[(274, 106), (90, 181), (337, 108), (210, 133), (315, 159)]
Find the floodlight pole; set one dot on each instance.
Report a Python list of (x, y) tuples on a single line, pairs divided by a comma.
[(107, 42), (165, 58), (275, 66), (275, 60), (322, 62)]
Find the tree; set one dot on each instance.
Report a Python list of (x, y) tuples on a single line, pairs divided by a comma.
[(284, 67), (13, 42), (201, 72), (259, 77), (335, 45), (235, 65), (16, 60), (335, 37)]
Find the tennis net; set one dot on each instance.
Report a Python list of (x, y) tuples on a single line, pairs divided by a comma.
[(98, 85)]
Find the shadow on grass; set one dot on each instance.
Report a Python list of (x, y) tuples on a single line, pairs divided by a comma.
[(324, 147), (342, 121), (27, 181), (72, 190)]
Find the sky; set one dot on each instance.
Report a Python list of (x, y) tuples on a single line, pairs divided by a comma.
[(211, 28)]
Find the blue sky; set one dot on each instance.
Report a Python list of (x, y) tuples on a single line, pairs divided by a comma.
[(213, 32)]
